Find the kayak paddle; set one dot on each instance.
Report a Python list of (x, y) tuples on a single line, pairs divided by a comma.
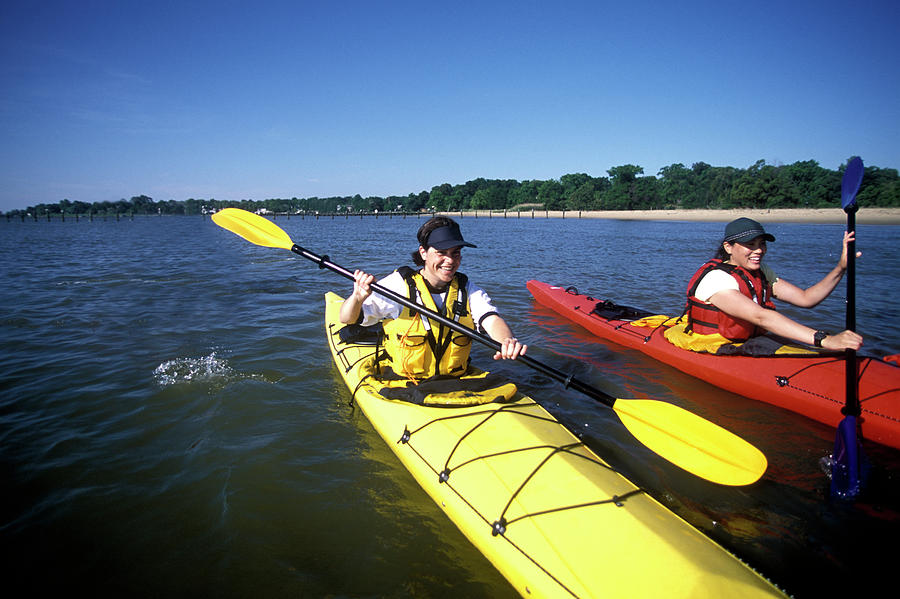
[(847, 455), (685, 439)]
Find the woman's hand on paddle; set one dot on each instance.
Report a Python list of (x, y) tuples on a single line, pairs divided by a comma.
[(362, 289), (510, 349), (499, 331), (843, 340), (362, 282), (848, 237)]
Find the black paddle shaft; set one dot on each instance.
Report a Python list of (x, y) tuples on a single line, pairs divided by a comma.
[(851, 269), (567, 380), (851, 407)]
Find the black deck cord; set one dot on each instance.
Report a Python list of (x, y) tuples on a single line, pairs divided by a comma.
[(348, 366), (784, 381), (499, 526), (444, 475), (659, 326), (617, 500), (357, 388), (490, 414), (340, 352), (572, 290)]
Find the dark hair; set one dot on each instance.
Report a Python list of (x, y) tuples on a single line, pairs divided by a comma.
[(721, 254), (425, 230)]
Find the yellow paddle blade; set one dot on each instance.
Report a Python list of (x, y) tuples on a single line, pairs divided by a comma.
[(691, 442), (253, 228)]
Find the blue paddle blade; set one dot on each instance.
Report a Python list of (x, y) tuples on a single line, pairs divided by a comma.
[(851, 182), (847, 462)]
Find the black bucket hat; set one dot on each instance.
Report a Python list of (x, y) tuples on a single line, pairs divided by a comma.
[(742, 230)]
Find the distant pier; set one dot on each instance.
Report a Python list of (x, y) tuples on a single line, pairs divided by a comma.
[(533, 213)]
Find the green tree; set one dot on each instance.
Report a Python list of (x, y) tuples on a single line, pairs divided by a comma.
[(440, 196), (750, 189), (814, 186), (571, 182), (624, 193), (622, 175), (480, 200), (677, 187), (587, 195), (880, 187), (550, 194), (141, 205), (523, 194), (645, 194), (192, 206)]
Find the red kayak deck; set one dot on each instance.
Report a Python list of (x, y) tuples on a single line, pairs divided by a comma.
[(814, 386)]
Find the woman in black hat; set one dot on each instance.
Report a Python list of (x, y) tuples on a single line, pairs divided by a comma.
[(438, 286), (732, 293)]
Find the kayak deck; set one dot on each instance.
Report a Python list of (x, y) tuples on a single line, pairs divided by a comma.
[(814, 386), (552, 517)]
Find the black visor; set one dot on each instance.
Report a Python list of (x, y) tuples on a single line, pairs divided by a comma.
[(446, 237)]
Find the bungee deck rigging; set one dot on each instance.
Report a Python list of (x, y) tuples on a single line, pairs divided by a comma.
[(519, 409)]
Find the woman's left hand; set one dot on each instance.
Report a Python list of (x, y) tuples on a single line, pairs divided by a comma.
[(848, 237), (510, 349)]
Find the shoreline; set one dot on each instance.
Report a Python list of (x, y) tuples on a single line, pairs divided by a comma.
[(865, 216)]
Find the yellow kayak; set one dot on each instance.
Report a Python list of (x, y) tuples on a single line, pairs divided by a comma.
[(552, 517)]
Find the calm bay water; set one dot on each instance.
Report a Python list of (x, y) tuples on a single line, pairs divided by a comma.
[(171, 423)]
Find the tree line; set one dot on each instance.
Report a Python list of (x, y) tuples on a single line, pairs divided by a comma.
[(799, 185)]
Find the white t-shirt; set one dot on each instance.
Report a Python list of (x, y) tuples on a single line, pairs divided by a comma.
[(716, 280), (377, 307)]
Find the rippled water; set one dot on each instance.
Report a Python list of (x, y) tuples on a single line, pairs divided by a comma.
[(171, 423)]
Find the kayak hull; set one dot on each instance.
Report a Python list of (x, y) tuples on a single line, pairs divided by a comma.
[(548, 513), (814, 386)]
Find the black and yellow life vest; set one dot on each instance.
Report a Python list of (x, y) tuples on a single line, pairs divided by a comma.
[(421, 348)]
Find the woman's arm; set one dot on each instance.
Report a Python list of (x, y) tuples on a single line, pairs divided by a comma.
[(738, 305), (498, 330), (812, 296)]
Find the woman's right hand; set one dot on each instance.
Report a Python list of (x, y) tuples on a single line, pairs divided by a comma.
[(843, 340), (362, 282)]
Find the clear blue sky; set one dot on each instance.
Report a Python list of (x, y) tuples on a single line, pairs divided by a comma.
[(233, 100)]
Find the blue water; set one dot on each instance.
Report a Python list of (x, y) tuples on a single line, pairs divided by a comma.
[(171, 424)]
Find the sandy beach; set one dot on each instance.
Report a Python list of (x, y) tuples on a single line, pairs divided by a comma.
[(865, 216)]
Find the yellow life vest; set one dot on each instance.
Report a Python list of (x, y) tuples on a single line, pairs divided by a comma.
[(421, 348)]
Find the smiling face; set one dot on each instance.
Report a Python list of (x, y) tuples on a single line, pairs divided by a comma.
[(440, 265), (748, 255)]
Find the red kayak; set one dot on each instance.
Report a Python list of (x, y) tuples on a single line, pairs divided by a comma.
[(812, 385)]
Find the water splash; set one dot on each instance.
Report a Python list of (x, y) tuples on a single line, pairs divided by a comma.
[(209, 368)]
